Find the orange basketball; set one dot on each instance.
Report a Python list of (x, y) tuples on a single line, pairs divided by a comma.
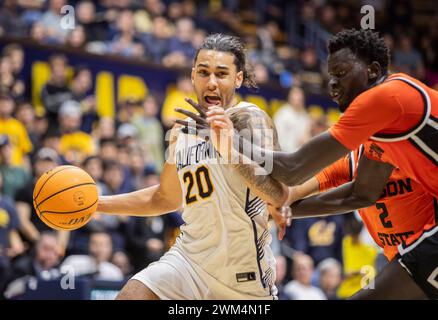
[(65, 197)]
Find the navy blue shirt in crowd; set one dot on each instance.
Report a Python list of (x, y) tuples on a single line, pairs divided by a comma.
[(320, 238), (8, 221)]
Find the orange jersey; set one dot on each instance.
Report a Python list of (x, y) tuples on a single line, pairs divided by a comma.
[(400, 215), (398, 123)]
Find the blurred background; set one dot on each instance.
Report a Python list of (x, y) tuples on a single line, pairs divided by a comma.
[(101, 95)]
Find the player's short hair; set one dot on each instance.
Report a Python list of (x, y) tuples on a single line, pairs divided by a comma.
[(365, 44), (231, 44)]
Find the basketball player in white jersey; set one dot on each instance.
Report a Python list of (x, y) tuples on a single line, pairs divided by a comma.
[(223, 250)]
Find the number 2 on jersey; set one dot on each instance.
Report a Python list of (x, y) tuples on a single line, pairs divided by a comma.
[(384, 215), (203, 182)]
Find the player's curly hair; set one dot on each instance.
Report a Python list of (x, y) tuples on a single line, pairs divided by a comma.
[(365, 44), (226, 43)]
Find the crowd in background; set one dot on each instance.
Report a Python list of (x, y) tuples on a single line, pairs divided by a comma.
[(320, 258)]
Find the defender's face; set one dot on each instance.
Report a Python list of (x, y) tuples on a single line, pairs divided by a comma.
[(348, 77), (215, 78)]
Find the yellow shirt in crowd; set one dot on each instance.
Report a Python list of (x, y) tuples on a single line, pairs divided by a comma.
[(174, 99), (19, 139), (77, 142), (359, 262)]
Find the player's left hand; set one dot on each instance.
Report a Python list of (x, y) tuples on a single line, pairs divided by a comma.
[(213, 123), (200, 118), (282, 218)]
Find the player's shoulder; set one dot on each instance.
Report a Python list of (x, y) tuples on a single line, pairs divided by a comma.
[(246, 114), (396, 84), (246, 108)]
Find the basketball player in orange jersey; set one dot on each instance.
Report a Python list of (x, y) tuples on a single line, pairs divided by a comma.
[(398, 218), (396, 118), (223, 250)]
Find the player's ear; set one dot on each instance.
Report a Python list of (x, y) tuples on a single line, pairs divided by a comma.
[(374, 71), (239, 79)]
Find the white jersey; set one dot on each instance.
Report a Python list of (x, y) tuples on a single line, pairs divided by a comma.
[(226, 227)]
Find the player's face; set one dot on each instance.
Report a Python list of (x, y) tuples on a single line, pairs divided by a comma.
[(215, 78), (348, 77)]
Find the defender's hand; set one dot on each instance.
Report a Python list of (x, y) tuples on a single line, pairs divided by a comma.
[(282, 218)]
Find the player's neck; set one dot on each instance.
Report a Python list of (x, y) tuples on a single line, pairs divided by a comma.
[(379, 81), (232, 104)]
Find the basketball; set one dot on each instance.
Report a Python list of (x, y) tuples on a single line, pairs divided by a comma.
[(65, 197)]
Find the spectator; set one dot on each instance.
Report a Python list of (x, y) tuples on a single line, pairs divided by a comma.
[(407, 59), (330, 277), (319, 237), (176, 98), (93, 165), (31, 225), (8, 82), (113, 183), (80, 87), (180, 47), (56, 90), (41, 125), (129, 108), (16, 132), (121, 260), (113, 177), (136, 166), (280, 276), (310, 74), (25, 113), (301, 287), (127, 139), (148, 238), (292, 121), (76, 38), (75, 145), (10, 241), (38, 33), (359, 258), (51, 139), (150, 132), (125, 42), (10, 24), (43, 262), (14, 177), (15, 53), (155, 7), (32, 11), (156, 42), (97, 264), (261, 73), (108, 149), (51, 21), (95, 28), (105, 129)]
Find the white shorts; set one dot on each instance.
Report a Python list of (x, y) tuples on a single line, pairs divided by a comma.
[(174, 278)]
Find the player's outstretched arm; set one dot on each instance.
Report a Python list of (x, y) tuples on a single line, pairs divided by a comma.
[(288, 168), (297, 167), (360, 193), (153, 201)]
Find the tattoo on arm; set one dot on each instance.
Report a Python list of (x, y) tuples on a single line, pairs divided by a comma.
[(256, 126)]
